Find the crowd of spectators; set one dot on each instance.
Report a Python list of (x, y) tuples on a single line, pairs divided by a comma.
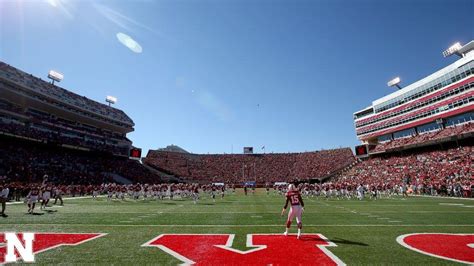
[(261, 168), (42, 87), (438, 172), (47, 128), (439, 134), (27, 162)]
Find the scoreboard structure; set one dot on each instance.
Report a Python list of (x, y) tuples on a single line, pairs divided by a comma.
[(135, 153), (248, 150)]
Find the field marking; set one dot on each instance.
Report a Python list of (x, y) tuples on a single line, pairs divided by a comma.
[(249, 244), (471, 245), (247, 225), (401, 241), (246, 212), (394, 221), (442, 197), (229, 212), (70, 198), (451, 204), (441, 211)]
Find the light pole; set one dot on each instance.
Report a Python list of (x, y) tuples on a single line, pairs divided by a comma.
[(453, 49), (395, 82), (111, 100), (55, 76)]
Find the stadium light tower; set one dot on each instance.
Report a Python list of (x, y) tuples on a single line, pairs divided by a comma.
[(395, 82), (111, 100), (453, 49), (55, 76)]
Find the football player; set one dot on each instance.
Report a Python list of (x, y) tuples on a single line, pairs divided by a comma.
[(4, 191), (58, 195), (32, 198), (293, 197), (45, 196), (195, 193)]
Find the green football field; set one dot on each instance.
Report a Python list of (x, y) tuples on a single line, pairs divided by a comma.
[(365, 232)]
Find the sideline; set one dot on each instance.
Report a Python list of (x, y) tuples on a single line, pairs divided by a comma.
[(69, 198), (441, 197)]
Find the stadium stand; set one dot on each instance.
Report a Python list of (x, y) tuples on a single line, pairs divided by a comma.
[(439, 135), (27, 162), (435, 109), (35, 109), (47, 130), (432, 171), (261, 168), (46, 91)]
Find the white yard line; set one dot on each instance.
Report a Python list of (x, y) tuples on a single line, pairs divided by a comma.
[(441, 197), (247, 225), (70, 198)]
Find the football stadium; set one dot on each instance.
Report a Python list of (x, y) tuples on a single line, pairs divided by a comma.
[(77, 187)]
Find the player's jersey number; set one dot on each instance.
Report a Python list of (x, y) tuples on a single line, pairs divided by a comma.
[(294, 199)]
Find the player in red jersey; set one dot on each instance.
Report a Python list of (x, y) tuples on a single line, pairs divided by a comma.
[(32, 199), (293, 197)]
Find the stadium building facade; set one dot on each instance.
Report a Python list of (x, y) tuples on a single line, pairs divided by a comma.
[(442, 101), (34, 109)]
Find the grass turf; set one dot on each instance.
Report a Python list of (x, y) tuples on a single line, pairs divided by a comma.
[(365, 232)]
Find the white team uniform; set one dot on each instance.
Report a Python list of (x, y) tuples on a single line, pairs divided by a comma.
[(46, 195), (4, 193), (295, 212), (32, 199)]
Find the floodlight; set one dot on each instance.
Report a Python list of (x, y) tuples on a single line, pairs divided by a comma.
[(394, 82), (452, 50), (55, 76), (111, 100)]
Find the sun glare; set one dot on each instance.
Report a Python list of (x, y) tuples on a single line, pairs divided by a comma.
[(53, 3)]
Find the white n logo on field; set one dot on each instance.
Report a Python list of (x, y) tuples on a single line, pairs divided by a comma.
[(24, 250)]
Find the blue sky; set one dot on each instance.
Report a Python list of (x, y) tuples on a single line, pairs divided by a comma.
[(219, 74)]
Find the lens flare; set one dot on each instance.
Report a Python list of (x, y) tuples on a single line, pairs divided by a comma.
[(53, 3), (128, 42)]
